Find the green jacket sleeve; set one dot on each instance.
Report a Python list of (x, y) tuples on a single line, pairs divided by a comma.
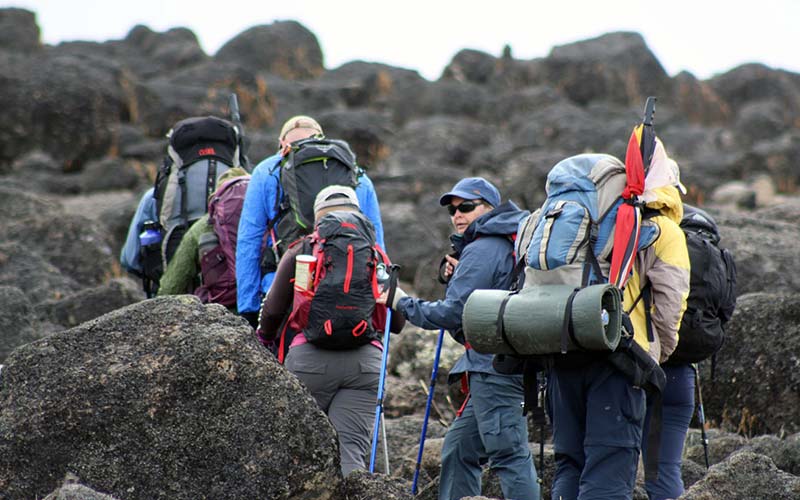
[(180, 275)]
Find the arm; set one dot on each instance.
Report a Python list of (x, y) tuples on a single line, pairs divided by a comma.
[(480, 266), (368, 201), (257, 211), (669, 278), (279, 299), (129, 255), (179, 277)]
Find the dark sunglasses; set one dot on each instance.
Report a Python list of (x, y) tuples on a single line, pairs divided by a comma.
[(465, 207)]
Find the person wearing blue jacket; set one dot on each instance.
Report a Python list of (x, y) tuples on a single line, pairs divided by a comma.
[(260, 209), (130, 255), (490, 427)]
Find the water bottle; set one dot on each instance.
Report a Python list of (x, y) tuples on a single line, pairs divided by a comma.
[(150, 235), (382, 276), (604, 318)]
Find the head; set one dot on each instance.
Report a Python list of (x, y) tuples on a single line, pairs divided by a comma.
[(226, 176), (469, 199), (297, 128), (335, 198)]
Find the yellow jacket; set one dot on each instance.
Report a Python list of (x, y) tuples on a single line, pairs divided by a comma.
[(665, 264)]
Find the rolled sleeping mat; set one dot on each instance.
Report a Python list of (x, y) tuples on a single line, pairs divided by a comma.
[(533, 319)]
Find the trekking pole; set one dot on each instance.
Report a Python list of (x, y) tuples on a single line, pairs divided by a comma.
[(385, 446), (434, 371), (701, 414), (382, 378)]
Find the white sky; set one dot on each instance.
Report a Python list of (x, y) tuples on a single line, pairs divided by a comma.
[(704, 37)]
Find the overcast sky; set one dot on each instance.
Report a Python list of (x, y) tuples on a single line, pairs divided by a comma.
[(704, 37)]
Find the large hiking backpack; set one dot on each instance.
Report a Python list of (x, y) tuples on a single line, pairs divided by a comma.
[(218, 264), (200, 150), (570, 239), (311, 165), (339, 311), (712, 294)]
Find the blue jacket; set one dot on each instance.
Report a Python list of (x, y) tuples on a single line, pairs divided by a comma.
[(129, 256), (486, 261), (258, 211)]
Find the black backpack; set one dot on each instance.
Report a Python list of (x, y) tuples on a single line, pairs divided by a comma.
[(311, 165), (338, 311), (712, 294), (200, 150)]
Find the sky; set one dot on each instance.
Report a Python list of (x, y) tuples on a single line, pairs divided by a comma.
[(704, 37)]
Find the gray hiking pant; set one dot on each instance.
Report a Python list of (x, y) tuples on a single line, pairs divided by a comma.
[(345, 385)]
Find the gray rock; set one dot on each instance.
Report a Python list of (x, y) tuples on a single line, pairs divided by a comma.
[(361, 485), (755, 388), (16, 320), (745, 476), (90, 303), (470, 65), (22, 268), (285, 48), (18, 30), (166, 398)]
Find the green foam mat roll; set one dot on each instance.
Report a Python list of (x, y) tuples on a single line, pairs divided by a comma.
[(534, 319)]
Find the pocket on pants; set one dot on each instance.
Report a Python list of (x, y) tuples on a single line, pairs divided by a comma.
[(305, 366), (501, 432), (370, 363)]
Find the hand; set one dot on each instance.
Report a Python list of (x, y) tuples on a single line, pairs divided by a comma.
[(383, 298), (450, 266)]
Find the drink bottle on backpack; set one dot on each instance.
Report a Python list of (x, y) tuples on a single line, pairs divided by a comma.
[(278, 207), (322, 312)]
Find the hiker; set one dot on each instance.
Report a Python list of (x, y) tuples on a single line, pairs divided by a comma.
[(343, 377), (710, 305), (490, 426), (597, 411), (201, 251), (130, 256), (266, 207)]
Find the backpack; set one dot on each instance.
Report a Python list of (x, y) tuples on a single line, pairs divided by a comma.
[(200, 150), (311, 165), (218, 264), (712, 293), (339, 310)]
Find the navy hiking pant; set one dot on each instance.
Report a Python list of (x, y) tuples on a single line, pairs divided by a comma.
[(678, 408), (597, 420)]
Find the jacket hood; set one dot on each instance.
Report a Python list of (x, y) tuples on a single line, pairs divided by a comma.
[(501, 221), (667, 202)]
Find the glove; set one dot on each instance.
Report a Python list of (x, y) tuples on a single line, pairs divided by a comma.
[(251, 317)]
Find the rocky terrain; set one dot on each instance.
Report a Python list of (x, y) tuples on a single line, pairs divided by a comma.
[(104, 395)]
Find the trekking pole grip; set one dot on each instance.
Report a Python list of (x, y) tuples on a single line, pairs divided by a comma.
[(394, 271)]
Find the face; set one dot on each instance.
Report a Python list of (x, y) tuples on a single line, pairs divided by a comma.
[(462, 220)]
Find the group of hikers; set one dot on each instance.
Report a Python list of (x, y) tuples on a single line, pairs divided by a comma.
[(295, 246)]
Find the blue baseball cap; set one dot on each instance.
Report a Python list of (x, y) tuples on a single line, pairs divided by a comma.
[(473, 188)]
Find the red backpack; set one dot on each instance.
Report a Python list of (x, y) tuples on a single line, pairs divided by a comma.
[(338, 310), (218, 265)]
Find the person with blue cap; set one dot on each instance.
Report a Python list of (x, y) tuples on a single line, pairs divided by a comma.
[(490, 426)]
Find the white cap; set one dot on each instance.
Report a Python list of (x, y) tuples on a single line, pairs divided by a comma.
[(335, 196)]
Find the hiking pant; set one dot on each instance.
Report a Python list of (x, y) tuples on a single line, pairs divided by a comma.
[(491, 428), (678, 408), (597, 420), (345, 385)]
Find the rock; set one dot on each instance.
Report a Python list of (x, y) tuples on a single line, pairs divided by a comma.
[(113, 210), (38, 279), (720, 445), (756, 388), (90, 303), (361, 485), (375, 85), (284, 48), (615, 67), (756, 82), (16, 320), (19, 31), (134, 399), (367, 132), (691, 472), (77, 492), (784, 452), (165, 52), (736, 194), (745, 476), (470, 65), (697, 100)]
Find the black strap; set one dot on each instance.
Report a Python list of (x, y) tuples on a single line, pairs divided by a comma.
[(647, 293), (211, 179), (654, 437), (567, 330), (591, 263), (182, 186), (500, 332)]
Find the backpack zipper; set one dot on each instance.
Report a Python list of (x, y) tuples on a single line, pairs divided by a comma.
[(349, 273)]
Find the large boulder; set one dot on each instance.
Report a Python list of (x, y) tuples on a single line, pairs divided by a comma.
[(19, 31), (163, 399), (755, 387), (616, 67), (16, 320), (745, 476), (35, 276), (284, 48), (756, 82)]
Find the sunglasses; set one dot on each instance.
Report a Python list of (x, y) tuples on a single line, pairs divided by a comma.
[(465, 207)]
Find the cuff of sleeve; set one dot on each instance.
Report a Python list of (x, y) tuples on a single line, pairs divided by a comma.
[(398, 294)]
